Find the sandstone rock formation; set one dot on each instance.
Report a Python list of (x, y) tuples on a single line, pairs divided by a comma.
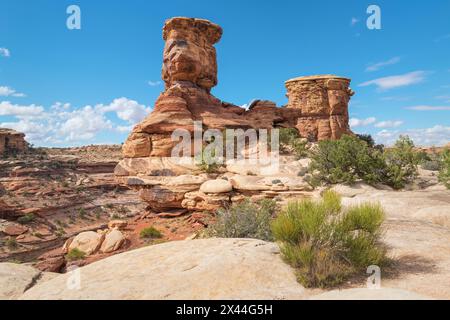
[(192, 269), (317, 108), (317, 105), (323, 101), (12, 141), (15, 279)]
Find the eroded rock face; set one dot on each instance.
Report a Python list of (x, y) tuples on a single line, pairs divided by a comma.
[(12, 141), (323, 102), (317, 108)]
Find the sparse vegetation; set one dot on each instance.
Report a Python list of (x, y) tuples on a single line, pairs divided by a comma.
[(444, 173), (75, 254), (207, 162), (11, 243), (245, 220), (290, 139), (327, 243), (150, 233), (82, 213), (26, 219)]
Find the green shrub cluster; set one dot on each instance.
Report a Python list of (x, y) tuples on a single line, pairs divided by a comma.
[(245, 220), (444, 173), (326, 243), (289, 137), (150, 233), (75, 254), (28, 218), (207, 162), (352, 158)]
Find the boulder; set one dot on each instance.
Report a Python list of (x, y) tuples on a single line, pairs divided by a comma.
[(117, 224), (191, 269), (216, 186), (113, 240), (88, 242), (12, 229)]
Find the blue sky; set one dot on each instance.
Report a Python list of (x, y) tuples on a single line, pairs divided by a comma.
[(74, 87)]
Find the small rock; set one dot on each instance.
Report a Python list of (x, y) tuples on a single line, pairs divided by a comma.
[(216, 186), (117, 224)]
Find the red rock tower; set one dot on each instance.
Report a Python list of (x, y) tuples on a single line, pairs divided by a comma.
[(323, 102)]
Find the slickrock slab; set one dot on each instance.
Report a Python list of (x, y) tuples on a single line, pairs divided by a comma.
[(15, 279), (191, 269), (370, 294)]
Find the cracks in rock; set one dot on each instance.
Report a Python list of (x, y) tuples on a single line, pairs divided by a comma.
[(33, 281)]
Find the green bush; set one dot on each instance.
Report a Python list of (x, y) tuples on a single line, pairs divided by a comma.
[(75, 254), (350, 159), (245, 220), (401, 163), (444, 173), (345, 161), (326, 243), (150, 233), (290, 138), (11, 243), (207, 163), (28, 218)]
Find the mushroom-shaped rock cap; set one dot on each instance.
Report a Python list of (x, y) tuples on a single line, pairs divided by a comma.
[(318, 77), (212, 31)]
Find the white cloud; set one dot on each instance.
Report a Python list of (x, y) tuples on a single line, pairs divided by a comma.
[(435, 136), (388, 124), (61, 124), (354, 122), (379, 65), (9, 109), (7, 91), (445, 98), (127, 110), (124, 129), (392, 98), (4, 52), (154, 83), (391, 82), (428, 108), (354, 21)]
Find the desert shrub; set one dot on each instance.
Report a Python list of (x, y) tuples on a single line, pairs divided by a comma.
[(28, 218), (207, 162), (401, 163), (11, 243), (432, 165), (290, 138), (345, 161), (327, 243), (150, 233), (444, 173), (350, 159), (287, 135), (75, 254), (245, 220)]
